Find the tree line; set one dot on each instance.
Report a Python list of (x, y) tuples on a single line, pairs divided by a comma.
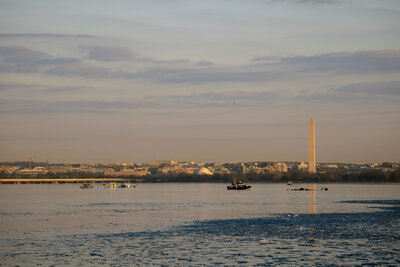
[(293, 176)]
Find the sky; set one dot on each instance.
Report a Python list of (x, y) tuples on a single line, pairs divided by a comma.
[(212, 81)]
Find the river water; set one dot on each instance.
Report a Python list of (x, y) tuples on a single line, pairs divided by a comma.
[(199, 224)]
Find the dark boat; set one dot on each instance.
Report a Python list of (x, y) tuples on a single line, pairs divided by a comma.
[(238, 186), (86, 186)]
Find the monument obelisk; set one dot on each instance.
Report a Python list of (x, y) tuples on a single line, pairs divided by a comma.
[(311, 148)]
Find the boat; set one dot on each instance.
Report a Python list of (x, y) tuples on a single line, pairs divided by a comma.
[(238, 186), (302, 189), (86, 186), (115, 185), (129, 186), (112, 185)]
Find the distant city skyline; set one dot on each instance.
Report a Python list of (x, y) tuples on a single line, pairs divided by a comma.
[(208, 81)]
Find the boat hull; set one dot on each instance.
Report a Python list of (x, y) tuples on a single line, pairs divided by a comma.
[(244, 187)]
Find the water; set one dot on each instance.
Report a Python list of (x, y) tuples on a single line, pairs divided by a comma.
[(199, 224)]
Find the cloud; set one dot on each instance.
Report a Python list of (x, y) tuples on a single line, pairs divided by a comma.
[(77, 106), (204, 63), (39, 88), (24, 60), (80, 69), (152, 103), (372, 91), (265, 59), (219, 99), (209, 75), (373, 88), (344, 62), (110, 53), (19, 54), (45, 35), (19, 59), (154, 60), (320, 97), (106, 53), (228, 95), (315, 2)]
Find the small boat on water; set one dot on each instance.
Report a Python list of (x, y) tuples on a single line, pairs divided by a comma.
[(86, 186), (302, 189), (129, 186), (115, 185), (238, 186), (112, 185)]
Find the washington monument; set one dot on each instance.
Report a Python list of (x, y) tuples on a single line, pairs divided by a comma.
[(311, 148)]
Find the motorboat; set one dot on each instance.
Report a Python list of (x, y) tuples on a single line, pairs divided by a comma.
[(115, 185), (129, 186), (86, 186), (238, 186), (112, 185)]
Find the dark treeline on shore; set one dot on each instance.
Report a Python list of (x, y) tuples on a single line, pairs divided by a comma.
[(296, 177)]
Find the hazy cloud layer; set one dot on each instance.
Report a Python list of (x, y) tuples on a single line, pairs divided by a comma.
[(198, 76), (74, 106), (79, 69), (19, 59), (318, 1), (108, 53), (354, 93), (162, 103), (177, 102), (344, 62), (373, 88), (45, 35), (204, 63), (38, 88)]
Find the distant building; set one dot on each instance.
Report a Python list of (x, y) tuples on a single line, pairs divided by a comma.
[(203, 171), (126, 172), (9, 169), (396, 165), (34, 171), (280, 167), (60, 168), (165, 163), (302, 166), (387, 165), (255, 169)]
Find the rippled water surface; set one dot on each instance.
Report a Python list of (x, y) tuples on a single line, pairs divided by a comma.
[(199, 224)]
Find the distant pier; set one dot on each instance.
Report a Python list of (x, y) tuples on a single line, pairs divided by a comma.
[(65, 180)]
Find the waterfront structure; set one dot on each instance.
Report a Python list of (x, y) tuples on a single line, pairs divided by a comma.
[(311, 148)]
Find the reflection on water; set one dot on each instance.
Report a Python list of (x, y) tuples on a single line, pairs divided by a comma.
[(313, 199), (313, 210), (199, 224)]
